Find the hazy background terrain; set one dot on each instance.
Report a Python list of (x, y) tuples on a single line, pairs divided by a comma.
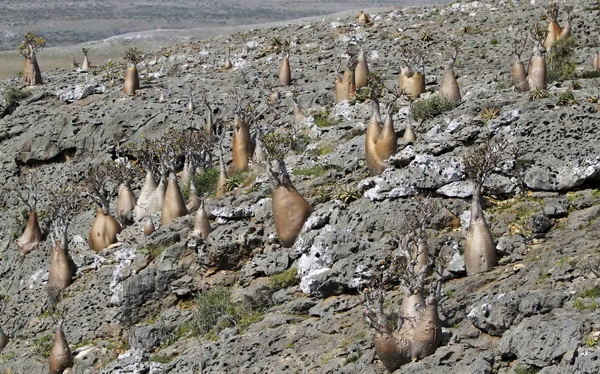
[(147, 23)]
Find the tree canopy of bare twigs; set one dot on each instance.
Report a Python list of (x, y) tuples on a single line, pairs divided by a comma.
[(490, 155), (64, 203)]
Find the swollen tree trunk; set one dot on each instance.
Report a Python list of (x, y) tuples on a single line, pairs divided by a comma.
[(62, 268), (519, 75), (412, 83), (480, 250), (173, 204), (32, 75), (241, 144), (361, 72), (147, 193), (201, 224), (380, 142), (290, 209), (418, 337), (125, 204), (85, 65), (596, 61), (32, 236), (554, 33), (299, 115), (60, 355), (537, 75), (104, 230), (3, 340), (285, 75), (449, 86), (409, 134), (132, 81), (222, 181)]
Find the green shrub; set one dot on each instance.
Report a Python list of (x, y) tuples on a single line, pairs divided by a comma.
[(525, 369), (206, 183), (428, 108), (589, 74), (284, 279), (12, 99), (590, 293), (216, 311), (315, 171), (566, 98), (322, 119), (212, 306), (560, 64), (162, 359), (153, 250)]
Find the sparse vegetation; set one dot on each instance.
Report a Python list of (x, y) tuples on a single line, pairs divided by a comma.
[(566, 98), (12, 99), (539, 93), (424, 109), (43, 345), (285, 279), (322, 119), (216, 311), (315, 171), (161, 359), (489, 113), (560, 63), (153, 250)]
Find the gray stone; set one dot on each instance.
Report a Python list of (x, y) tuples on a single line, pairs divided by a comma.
[(496, 314), (228, 246), (78, 92), (543, 340), (539, 223)]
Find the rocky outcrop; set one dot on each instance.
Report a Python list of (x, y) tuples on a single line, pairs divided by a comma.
[(135, 302)]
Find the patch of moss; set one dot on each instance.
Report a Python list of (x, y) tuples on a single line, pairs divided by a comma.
[(590, 293), (153, 250), (285, 279), (315, 171), (322, 119), (525, 369), (162, 359)]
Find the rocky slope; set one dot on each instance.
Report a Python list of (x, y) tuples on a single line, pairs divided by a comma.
[(137, 307)]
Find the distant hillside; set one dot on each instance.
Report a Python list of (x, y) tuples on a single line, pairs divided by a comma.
[(69, 22)]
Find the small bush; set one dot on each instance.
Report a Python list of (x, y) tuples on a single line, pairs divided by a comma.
[(206, 183), (560, 64), (153, 250), (494, 41), (162, 359), (590, 293), (539, 94), (566, 98), (489, 113), (428, 108), (525, 369), (315, 171), (322, 119), (212, 306), (285, 279), (588, 74), (12, 99), (216, 311)]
